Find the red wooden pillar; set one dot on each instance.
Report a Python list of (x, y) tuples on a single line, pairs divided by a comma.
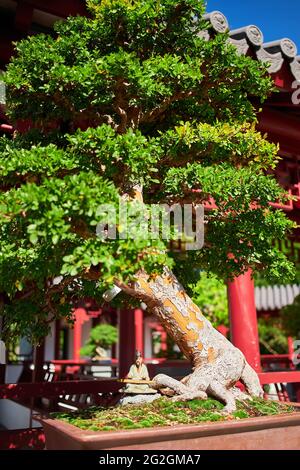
[(139, 329), (223, 330), (243, 319), (126, 341), (163, 338), (76, 341), (80, 317), (163, 341)]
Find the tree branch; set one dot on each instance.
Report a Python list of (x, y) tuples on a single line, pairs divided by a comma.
[(120, 104), (152, 115), (54, 289), (137, 294)]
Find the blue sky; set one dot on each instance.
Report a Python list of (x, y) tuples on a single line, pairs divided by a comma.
[(276, 18)]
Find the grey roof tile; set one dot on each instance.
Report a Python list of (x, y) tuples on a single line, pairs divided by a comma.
[(275, 61), (286, 46), (275, 53), (275, 297), (218, 21), (251, 33)]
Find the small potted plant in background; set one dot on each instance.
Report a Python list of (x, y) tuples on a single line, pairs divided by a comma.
[(102, 337)]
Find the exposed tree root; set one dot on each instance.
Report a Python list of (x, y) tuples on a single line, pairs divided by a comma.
[(217, 364)]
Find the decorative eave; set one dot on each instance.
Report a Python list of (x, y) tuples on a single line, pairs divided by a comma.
[(250, 40), (270, 298)]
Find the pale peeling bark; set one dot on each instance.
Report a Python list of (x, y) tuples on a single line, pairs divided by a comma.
[(217, 364)]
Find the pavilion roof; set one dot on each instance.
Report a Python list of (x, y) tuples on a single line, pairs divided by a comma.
[(268, 298), (250, 40)]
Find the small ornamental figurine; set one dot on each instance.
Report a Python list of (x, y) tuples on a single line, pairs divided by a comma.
[(138, 372)]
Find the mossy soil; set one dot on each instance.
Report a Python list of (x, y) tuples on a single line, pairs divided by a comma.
[(164, 412)]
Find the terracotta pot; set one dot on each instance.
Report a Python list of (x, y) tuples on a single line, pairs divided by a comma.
[(271, 432)]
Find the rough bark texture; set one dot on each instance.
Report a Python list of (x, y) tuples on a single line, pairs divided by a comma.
[(217, 364)]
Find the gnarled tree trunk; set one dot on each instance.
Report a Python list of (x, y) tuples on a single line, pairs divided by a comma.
[(217, 364)]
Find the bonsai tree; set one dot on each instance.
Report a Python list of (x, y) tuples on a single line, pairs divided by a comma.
[(102, 337), (133, 102)]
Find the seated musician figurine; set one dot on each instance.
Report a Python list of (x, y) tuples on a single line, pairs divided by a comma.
[(138, 372)]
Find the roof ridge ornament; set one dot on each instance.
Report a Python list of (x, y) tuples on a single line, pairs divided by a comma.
[(218, 21), (286, 46), (252, 33), (295, 68), (255, 35), (204, 35), (241, 45), (275, 60)]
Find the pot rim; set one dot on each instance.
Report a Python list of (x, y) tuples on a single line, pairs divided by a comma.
[(164, 433)]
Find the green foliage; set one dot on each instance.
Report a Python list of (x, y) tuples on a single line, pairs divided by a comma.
[(172, 351), (273, 332), (210, 294), (290, 317), (103, 336), (125, 158), (272, 336), (164, 412), (291, 252), (131, 95)]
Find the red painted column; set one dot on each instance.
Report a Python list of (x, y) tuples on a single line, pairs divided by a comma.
[(163, 338), (163, 341), (78, 314), (139, 329), (223, 330), (76, 341), (243, 319), (126, 341)]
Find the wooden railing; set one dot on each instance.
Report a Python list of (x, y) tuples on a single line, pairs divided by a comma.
[(270, 362), (54, 389), (57, 394)]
